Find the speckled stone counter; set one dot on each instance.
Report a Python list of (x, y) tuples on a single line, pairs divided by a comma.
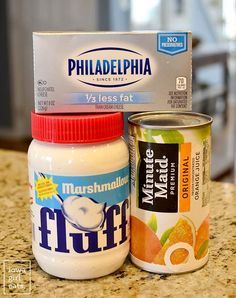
[(216, 279)]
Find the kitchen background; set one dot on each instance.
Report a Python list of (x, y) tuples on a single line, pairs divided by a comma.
[(213, 23)]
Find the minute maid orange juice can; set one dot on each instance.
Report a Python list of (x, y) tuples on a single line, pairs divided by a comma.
[(170, 191)]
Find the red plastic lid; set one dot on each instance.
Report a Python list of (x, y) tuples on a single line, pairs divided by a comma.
[(77, 128)]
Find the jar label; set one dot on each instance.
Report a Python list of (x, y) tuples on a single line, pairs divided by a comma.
[(80, 214)]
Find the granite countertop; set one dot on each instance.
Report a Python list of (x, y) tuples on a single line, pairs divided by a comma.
[(216, 279)]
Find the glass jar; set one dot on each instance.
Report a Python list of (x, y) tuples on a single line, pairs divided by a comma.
[(79, 186)]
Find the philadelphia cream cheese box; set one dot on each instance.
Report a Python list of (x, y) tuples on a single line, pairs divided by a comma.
[(112, 71)]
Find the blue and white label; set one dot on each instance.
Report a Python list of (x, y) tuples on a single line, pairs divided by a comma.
[(81, 214), (109, 67), (115, 98), (172, 43)]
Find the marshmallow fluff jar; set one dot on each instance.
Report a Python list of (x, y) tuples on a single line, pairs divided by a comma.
[(79, 189)]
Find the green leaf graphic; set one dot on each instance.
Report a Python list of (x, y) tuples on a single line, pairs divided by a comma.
[(172, 137), (166, 235), (203, 132), (202, 248), (168, 136), (152, 223), (147, 134)]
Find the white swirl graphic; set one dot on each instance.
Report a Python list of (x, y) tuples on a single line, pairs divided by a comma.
[(84, 213)]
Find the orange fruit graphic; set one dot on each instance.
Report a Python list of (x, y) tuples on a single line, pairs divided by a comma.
[(144, 242), (183, 231), (201, 246)]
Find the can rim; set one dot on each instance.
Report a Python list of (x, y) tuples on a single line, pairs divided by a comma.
[(135, 118)]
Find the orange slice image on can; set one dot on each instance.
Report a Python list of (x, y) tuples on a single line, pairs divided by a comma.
[(202, 239), (145, 244), (183, 231)]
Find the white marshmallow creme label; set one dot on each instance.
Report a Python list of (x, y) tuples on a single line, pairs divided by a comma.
[(80, 214)]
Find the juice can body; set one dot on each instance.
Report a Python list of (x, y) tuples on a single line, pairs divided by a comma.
[(170, 190)]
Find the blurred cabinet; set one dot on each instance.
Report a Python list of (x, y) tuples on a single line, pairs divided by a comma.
[(205, 95), (207, 98)]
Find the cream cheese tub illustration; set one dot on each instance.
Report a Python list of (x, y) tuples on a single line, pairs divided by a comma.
[(79, 185), (170, 175)]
